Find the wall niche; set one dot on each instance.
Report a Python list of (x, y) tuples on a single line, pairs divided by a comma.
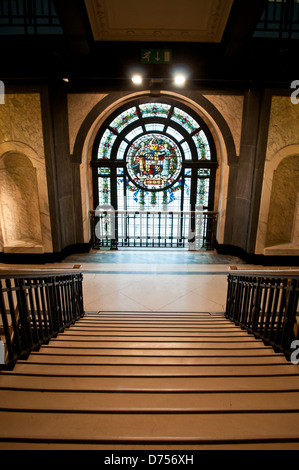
[(20, 211), (283, 220)]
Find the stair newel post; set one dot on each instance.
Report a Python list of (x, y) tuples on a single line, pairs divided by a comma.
[(9, 344), (51, 306), (290, 316), (14, 321), (25, 318), (256, 306)]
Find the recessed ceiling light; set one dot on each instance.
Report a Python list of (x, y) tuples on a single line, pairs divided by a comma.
[(137, 79), (180, 79)]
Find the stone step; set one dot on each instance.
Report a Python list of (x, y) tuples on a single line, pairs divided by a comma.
[(10, 380), (110, 370), (171, 381), (150, 449), (162, 428), (18, 400), (93, 336), (178, 345), (154, 360), (258, 350)]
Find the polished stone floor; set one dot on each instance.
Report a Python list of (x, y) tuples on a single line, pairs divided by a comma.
[(153, 280)]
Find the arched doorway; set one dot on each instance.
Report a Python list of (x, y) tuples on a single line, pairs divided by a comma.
[(154, 157)]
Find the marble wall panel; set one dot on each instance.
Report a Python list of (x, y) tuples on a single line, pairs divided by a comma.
[(231, 108), (79, 106)]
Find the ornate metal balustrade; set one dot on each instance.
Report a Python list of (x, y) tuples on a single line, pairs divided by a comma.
[(266, 305), (194, 230), (35, 306)]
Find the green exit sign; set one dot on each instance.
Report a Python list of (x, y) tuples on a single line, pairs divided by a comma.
[(155, 56)]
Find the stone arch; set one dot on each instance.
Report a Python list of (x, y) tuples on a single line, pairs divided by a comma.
[(20, 212)]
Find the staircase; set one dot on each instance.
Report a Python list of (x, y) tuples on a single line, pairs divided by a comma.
[(151, 381)]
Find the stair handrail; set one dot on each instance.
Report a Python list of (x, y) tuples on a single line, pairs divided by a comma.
[(265, 302), (35, 306)]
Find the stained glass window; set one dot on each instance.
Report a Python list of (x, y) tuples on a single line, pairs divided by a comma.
[(163, 158)]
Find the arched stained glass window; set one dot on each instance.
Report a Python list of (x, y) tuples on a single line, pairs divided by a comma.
[(154, 154)]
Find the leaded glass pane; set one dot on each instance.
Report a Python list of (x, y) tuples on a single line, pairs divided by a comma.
[(187, 151), (185, 120), (203, 189), (124, 119), (106, 145), (120, 193), (154, 127), (174, 134), (204, 172), (187, 192), (202, 145), (154, 110), (104, 191), (134, 133), (103, 171), (121, 151)]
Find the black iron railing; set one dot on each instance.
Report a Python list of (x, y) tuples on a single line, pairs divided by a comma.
[(35, 306), (266, 305), (193, 230)]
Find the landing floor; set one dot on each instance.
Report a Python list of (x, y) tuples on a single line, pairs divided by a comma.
[(153, 279)]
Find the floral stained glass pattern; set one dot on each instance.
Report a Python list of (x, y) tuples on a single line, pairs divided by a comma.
[(104, 191), (203, 186), (179, 116), (106, 145), (154, 110), (202, 145), (124, 119)]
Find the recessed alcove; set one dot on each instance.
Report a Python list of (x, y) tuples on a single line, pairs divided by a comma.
[(20, 211), (283, 221)]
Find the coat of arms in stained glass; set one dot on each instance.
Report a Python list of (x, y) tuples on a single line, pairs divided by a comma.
[(154, 162)]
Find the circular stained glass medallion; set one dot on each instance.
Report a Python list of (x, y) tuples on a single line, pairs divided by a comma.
[(154, 162)]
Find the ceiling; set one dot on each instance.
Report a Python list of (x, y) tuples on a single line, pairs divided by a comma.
[(102, 41), (167, 20)]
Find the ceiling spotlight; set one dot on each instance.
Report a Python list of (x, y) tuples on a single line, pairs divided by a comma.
[(180, 79), (66, 80), (137, 79)]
